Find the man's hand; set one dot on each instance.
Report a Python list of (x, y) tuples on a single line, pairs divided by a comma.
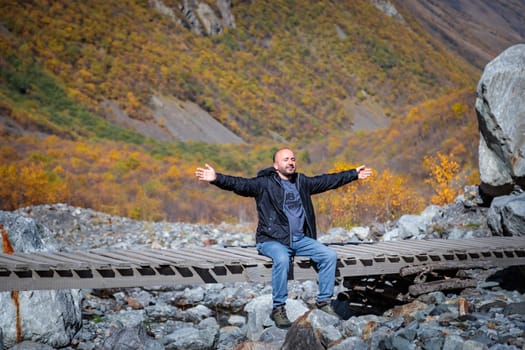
[(363, 172), (206, 174)]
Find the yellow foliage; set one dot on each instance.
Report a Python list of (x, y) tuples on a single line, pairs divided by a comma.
[(459, 109), (28, 185), (443, 177), (382, 197), (121, 51)]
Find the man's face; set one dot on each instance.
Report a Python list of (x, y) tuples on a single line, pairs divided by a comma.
[(285, 163)]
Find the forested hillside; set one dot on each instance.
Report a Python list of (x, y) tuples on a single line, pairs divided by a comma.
[(81, 82)]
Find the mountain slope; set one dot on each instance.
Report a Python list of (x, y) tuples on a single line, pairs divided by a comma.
[(118, 84), (476, 30), (286, 69)]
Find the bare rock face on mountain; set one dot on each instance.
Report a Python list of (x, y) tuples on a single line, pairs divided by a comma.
[(198, 16), (476, 30), (203, 20), (500, 106)]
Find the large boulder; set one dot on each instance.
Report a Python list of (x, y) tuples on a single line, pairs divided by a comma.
[(500, 107), (49, 317)]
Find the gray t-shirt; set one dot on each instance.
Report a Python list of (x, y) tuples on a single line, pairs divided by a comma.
[(293, 208)]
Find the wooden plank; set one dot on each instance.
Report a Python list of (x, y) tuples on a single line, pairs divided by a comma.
[(182, 257), (414, 246), (234, 256), (117, 255), (215, 256), (161, 259), (9, 262), (352, 251), (43, 261), (440, 285), (373, 249), (249, 253), (92, 258), (141, 258), (61, 261), (444, 266)]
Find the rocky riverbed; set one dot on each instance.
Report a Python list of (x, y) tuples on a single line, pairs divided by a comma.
[(236, 316)]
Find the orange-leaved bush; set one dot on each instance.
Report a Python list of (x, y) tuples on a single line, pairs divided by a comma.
[(383, 196), (444, 177)]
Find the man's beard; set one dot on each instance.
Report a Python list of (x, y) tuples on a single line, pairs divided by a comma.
[(287, 171)]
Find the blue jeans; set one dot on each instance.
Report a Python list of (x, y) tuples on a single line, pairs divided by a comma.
[(324, 257)]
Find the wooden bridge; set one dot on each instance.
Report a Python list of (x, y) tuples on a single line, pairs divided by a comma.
[(110, 268)]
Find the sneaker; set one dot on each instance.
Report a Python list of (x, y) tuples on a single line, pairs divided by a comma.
[(280, 318), (326, 306)]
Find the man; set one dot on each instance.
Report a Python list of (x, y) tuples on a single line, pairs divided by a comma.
[(286, 224)]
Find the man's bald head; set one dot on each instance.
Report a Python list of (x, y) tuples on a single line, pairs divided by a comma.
[(284, 163)]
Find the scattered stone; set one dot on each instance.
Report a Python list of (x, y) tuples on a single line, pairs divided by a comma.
[(488, 314)]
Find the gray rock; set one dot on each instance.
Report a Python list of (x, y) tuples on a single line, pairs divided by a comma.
[(190, 338), (131, 318), (208, 323), (197, 313), (408, 334), (26, 234), (134, 337), (433, 298), (502, 347), (162, 312), (228, 19), (388, 9), (49, 317), (395, 323), (354, 343), (360, 232), (203, 20), (506, 216), (474, 345), (515, 308), (392, 235), (229, 337), (355, 326), (273, 335), (500, 106), (322, 326), (431, 338), (237, 321), (30, 345), (399, 342), (453, 342), (314, 330), (411, 226), (209, 19), (381, 338), (259, 310)]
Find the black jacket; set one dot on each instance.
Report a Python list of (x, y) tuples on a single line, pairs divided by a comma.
[(268, 192)]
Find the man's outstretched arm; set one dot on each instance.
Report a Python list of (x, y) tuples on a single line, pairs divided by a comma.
[(240, 185)]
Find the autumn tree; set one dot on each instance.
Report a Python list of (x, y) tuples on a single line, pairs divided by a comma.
[(444, 177), (382, 197), (29, 185)]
